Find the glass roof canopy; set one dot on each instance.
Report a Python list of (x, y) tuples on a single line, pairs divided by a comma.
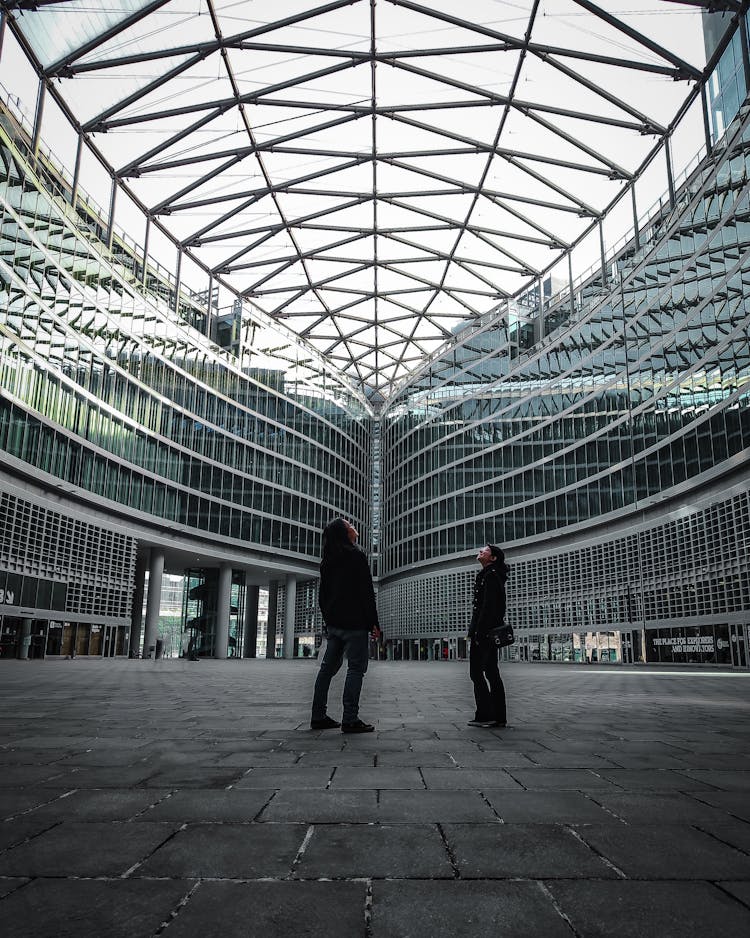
[(374, 173)]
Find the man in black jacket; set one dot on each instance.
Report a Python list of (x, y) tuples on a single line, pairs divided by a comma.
[(347, 600), (488, 613)]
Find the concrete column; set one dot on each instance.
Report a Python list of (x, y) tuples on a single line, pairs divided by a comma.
[(250, 630), (223, 611), (136, 614), (24, 639), (289, 604), (273, 587), (153, 600)]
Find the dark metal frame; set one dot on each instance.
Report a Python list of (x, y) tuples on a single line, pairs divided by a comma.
[(338, 326)]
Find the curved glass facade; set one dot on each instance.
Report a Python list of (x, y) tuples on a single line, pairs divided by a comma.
[(642, 390), (105, 390)]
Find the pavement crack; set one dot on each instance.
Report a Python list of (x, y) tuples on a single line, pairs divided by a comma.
[(140, 862), (731, 895), (176, 910), (721, 840), (368, 909), (270, 799), (489, 804), (333, 772), (303, 847), (604, 808), (558, 909), (605, 860), (449, 850)]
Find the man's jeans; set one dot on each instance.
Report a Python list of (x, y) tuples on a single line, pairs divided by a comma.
[(355, 644)]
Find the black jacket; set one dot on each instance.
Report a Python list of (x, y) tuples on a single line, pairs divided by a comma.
[(488, 610), (346, 596)]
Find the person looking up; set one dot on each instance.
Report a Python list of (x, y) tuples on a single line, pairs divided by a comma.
[(347, 601), (488, 612)]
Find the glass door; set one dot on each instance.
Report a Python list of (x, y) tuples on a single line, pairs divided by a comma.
[(739, 645)]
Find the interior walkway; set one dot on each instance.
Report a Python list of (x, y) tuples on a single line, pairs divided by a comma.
[(143, 798)]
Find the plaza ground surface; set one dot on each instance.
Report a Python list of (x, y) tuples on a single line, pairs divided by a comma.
[(146, 798)]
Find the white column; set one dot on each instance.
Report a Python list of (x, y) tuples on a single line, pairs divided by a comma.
[(289, 604), (136, 613), (250, 632), (273, 587), (223, 610), (153, 600)]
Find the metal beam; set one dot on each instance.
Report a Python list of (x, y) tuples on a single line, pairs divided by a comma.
[(103, 37), (136, 169), (220, 105), (689, 70), (201, 50)]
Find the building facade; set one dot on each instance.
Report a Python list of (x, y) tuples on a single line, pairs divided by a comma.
[(602, 437), (598, 429), (122, 424)]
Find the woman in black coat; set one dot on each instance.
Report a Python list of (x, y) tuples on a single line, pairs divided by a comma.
[(347, 600), (488, 613)]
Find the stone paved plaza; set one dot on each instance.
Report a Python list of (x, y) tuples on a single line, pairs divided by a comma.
[(142, 798)]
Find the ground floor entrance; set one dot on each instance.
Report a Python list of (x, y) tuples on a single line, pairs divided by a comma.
[(22, 637)]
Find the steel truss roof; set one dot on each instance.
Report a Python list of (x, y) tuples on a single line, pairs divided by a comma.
[(372, 172)]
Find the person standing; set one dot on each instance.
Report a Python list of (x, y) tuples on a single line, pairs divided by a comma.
[(347, 600), (488, 612)]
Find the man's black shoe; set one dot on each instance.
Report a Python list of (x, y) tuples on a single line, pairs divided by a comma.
[(357, 727), (325, 724)]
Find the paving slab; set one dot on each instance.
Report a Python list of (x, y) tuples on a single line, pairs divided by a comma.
[(547, 807), (634, 909), (17, 801), (728, 831), (90, 908), (723, 779), (9, 884), (194, 805), (249, 760), (734, 802), (539, 758), (79, 848), (740, 891), (612, 805), (330, 759), (416, 759), (529, 851), (376, 851), (459, 779), (100, 805), (655, 779), (381, 777), (297, 776), (18, 830), (562, 779), (227, 851), (263, 909), (194, 776), (668, 851), (412, 909), (493, 758), (656, 807), (435, 806), (320, 807)]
